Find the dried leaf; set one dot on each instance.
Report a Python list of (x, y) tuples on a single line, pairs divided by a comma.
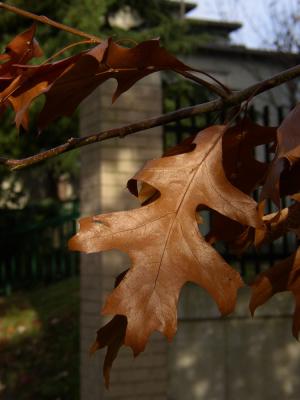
[(245, 172), (287, 154), (66, 83), (22, 102), (289, 180), (163, 240), (65, 93), (283, 276), (148, 193), (111, 335), (279, 223), (31, 83), (105, 61), (19, 51), (24, 46), (241, 167), (71, 80)]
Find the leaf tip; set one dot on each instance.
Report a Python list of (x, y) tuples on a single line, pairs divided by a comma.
[(296, 335), (106, 376), (252, 309), (296, 327), (94, 347)]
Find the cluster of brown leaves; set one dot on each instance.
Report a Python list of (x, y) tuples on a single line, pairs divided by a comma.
[(65, 83), (216, 170)]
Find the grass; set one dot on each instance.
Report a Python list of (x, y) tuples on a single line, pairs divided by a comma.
[(39, 343)]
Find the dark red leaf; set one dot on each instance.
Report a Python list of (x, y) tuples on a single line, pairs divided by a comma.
[(287, 154), (111, 335), (283, 276)]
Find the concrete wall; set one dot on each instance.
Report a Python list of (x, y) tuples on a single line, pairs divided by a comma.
[(237, 357), (240, 70), (105, 169)]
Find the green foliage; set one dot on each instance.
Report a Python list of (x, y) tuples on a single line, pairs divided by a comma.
[(16, 145)]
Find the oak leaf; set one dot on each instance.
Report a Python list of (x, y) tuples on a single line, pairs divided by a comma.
[(241, 166), (105, 61), (163, 241), (19, 50), (283, 174), (31, 83), (283, 276), (289, 183), (245, 172), (67, 82), (147, 193), (111, 335), (287, 155)]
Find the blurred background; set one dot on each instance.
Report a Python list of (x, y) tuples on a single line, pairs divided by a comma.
[(50, 299)]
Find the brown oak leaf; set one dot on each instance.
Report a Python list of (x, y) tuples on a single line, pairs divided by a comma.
[(105, 61), (19, 50), (163, 241), (111, 335), (245, 172), (67, 82), (240, 164), (287, 155), (289, 183), (148, 193), (283, 276), (31, 83)]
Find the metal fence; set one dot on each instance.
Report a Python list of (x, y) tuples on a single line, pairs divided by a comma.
[(36, 253), (252, 262)]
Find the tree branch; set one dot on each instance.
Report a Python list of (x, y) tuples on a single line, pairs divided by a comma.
[(48, 21), (215, 105)]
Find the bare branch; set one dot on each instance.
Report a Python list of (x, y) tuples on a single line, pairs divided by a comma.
[(215, 105), (48, 21)]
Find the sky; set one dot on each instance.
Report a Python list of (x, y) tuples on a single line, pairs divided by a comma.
[(257, 28)]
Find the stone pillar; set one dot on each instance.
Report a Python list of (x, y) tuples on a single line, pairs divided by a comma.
[(105, 169)]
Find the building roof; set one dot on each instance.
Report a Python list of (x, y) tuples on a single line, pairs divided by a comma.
[(245, 51), (189, 5), (209, 24)]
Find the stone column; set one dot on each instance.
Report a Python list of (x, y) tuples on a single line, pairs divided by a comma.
[(105, 169)]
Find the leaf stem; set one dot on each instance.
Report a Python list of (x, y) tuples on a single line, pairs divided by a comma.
[(215, 89), (70, 46)]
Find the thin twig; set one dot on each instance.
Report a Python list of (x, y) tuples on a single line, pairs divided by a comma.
[(213, 78), (70, 46), (215, 105), (213, 88), (48, 21)]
